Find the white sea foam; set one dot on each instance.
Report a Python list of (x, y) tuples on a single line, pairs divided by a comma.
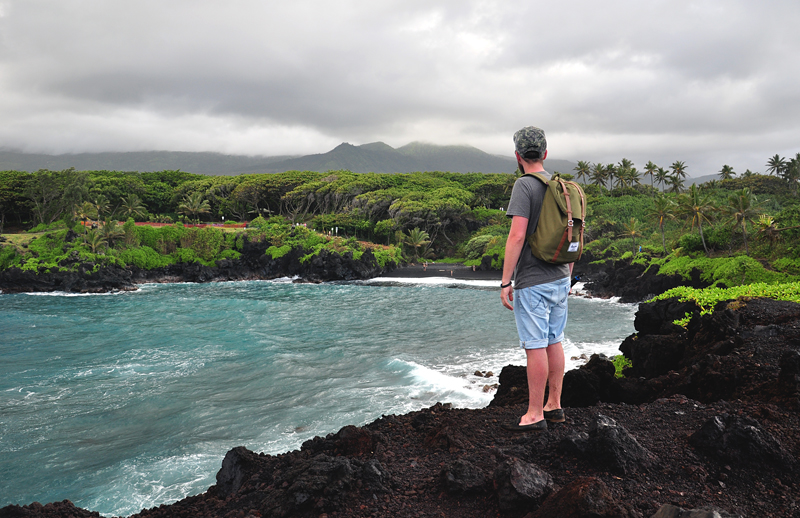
[(431, 386), (146, 483), (70, 294), (430, 281), (578, 290)]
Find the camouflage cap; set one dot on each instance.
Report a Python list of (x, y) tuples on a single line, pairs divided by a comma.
[(530, 142)]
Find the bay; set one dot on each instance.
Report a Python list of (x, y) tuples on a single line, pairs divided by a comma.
[(125, 401)]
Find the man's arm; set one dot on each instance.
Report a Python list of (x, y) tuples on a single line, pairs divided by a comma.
[(514, 244)]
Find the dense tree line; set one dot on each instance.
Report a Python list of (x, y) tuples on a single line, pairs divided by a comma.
[(436, 214), (372, 206)]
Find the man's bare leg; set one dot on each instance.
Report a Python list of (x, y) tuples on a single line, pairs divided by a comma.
[(537, 370), (555, 375)]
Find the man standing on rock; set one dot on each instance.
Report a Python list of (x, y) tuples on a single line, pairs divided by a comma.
[(540, 289)]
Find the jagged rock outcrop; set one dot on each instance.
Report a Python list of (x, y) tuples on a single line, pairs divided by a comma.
[(630, 282), (610, 445), (741, 440), (743, 350), (521, 486)]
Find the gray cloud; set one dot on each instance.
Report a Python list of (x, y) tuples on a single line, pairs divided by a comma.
[(707, 82)]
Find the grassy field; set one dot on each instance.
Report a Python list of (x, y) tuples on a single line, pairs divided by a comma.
[(21, 239)]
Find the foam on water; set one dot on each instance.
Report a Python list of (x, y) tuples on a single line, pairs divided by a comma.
[(429, 281), (431, 386)]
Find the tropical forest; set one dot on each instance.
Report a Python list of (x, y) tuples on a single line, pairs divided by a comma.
[(739, 229)]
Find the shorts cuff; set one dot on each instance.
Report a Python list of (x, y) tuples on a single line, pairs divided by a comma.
[(533, 344), (559, 338)]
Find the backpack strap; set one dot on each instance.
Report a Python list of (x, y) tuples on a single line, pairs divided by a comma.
[(566, 236), (570, 223), (538, 175)]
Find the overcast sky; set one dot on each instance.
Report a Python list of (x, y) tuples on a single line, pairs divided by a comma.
[(705, 82)]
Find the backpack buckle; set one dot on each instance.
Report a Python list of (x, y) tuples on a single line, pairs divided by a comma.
[(570, 224)]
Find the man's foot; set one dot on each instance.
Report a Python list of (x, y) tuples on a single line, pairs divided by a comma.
[(555, 416), (538, 426)]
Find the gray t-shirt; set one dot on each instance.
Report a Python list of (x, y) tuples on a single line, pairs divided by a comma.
[(526, 201)]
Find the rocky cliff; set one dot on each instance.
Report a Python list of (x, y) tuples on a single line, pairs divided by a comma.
[(253, 264)]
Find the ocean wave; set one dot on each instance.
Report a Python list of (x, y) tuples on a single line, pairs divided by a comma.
[(70, 294), (433, 386)]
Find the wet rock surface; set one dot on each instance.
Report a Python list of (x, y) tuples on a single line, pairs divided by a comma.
[(718, 434)]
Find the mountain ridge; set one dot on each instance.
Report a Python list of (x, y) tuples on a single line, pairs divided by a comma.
[(376, 157)]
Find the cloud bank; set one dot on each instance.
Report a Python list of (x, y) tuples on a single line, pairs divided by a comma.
[(706, 82)]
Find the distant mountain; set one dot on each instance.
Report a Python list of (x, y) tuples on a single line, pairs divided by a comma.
[(378, 157), (374, 157)]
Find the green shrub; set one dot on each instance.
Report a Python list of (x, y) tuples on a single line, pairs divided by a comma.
[(478, 245), (185, 255), (691, 242), (384, 256), (707, 298), (277, 252), (787, 264), (9, 257), (145, 258), (228, 254), (718, 238), (205, 242), (620, 362), (730, 271), (43, 227)]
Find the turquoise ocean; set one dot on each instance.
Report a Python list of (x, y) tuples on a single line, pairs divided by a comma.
[(126, 401)]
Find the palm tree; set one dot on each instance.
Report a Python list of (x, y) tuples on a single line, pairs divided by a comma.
[(768, 229), (791, 172), (650, 169), (611, 170), (85, 211), (776, 165), (675, 183), (726, 173), (662, 210), (633, 176), (696, 209), (632, 230), (742, 207), (94, 239), (416, 239), (111, 231), (599, 174), (194, 205), (101, 205), (622, 170), (584, 169), (132, 205), (679, 169), (662, 175)]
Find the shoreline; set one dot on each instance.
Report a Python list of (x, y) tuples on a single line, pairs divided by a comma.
[(448, 270)]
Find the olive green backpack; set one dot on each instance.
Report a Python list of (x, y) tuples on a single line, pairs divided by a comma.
[(558, 237)]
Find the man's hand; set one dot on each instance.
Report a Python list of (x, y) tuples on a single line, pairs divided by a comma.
[(507, 297)]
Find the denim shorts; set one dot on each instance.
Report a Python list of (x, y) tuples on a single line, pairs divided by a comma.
[(541, 313)]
